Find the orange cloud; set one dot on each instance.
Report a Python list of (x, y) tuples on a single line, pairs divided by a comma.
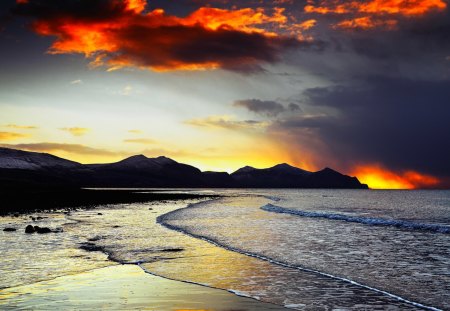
[(136, 5), (367, 23), (121, 34), (401, 7), (324, 9), (378, 177), (375, 13)]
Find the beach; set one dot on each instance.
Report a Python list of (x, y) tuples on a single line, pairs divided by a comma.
[(209, 251), (123, 287)]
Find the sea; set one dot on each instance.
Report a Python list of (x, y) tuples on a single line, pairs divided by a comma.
[(302, 249)]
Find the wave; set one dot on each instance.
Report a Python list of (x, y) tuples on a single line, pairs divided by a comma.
[(162, 220), (359, 219)]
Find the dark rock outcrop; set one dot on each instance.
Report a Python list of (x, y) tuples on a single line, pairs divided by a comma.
[(42, 230), (29, 229)]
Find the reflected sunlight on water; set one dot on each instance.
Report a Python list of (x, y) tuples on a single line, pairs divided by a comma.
[(400, 261)]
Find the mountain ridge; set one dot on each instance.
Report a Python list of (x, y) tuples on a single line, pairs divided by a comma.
[(43, 169)]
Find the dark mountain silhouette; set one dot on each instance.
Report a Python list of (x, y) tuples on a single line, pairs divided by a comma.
[(140, 171), (278, 176), (287, 176), (31, 169)]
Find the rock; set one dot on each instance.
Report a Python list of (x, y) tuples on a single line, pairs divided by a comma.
[(91, 247), (29, 229), (42, 230), (9, 229), (99, 214), (150, 209)]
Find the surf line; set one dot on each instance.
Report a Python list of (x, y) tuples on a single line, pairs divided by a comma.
[(160, 220), (358, 219)]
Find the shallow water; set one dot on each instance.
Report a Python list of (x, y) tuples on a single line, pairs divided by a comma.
[(412, 264), (407, 262), (123, 287)]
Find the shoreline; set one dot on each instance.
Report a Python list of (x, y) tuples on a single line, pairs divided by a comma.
[(165, 254), (24, 201), (127, 279), (124, 287), (120, 285)]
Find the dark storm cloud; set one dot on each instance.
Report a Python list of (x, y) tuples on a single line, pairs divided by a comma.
[(230, 49), (92, 10), (265, 107), (427, 36), (400, 123)]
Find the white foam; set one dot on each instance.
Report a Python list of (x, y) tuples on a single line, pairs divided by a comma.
[(358, 219)]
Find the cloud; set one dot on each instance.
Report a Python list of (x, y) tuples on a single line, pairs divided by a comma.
[(144, 141), (55, 147), (400, 123), (76, 131), (120, 34), (226, 122), (378, 7), (367, 22), (265, 107), (294, 107), (22, 127), (12, 136), (135, 131), (374, 13)]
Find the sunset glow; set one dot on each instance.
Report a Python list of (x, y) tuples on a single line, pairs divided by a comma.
[(379, 178), (224, 84)]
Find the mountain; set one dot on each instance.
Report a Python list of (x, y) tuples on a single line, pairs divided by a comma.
[(278, 176), (18, 159), (31, 169), (287, 176), (328, 178), (140, 171)]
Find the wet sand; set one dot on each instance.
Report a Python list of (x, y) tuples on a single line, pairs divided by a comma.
[(123, 287)]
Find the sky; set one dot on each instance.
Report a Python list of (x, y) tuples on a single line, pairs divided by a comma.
[(360, 86)]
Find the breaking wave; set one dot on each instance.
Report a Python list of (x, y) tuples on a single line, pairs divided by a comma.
[(405, 224)]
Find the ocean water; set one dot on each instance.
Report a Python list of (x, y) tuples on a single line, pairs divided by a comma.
[(303, 249)]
